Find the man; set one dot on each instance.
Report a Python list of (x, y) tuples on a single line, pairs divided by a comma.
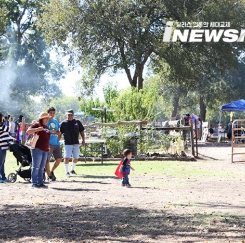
[(54, 144), (12, 127), (187, 119), (71, 128)]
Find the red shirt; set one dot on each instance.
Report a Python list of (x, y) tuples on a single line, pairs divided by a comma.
[(44, 136)]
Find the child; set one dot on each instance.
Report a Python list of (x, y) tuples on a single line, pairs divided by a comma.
[(126, 167)]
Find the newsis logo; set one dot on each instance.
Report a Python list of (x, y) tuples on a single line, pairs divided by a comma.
[(198, 32)]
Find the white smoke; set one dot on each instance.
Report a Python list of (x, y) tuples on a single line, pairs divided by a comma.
[(7, 77)]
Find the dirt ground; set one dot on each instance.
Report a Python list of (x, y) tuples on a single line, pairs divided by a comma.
[(156, 209)]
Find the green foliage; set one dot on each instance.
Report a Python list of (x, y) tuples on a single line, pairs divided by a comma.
[(117, 143), (87, 105), (26, 67), (3, 18), (62, 104), (86, 85), (132, 104), (110, 93), (107, 35)]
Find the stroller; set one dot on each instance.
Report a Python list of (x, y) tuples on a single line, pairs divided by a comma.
[(23, 156)]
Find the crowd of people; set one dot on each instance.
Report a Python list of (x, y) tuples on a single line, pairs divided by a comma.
[(49, 132)]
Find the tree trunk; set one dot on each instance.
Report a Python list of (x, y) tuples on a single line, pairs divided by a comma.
[(139, 71), (202, 109), (175, 105), (140, 82)]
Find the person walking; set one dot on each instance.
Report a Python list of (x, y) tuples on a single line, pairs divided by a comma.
[(54, 144), (126, 167), (71, 128), (40, 153)]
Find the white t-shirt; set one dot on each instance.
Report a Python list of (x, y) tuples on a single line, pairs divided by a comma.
[(11, 127)]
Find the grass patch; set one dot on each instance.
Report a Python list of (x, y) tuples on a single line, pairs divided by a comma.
[(92, 170)]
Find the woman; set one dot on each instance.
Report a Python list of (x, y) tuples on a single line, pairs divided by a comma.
[(4, 139), (40, 153)]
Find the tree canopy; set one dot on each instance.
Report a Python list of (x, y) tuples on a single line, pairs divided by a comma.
[(26, 66), (107, 35), (126, 35)]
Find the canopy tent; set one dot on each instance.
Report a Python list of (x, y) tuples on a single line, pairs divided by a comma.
[(79, 114), (238, 105), (235, 106)]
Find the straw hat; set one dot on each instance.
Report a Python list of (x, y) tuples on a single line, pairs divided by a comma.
[(43, 115)]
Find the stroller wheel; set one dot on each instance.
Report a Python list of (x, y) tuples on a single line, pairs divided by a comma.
[(12, 177), (27, 179)]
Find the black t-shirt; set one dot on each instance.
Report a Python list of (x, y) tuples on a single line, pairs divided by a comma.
[(71, 131)]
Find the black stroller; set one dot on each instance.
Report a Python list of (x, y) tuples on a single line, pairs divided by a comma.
[(23, 156)]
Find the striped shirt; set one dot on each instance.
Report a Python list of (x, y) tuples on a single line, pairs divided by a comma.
[(4, 137)]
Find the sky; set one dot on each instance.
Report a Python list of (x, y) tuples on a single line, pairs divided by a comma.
[(68, 83)]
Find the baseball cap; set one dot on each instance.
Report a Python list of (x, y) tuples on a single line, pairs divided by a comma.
[(70, 112)]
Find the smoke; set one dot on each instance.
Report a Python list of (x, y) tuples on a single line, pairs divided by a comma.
[(7, 77)]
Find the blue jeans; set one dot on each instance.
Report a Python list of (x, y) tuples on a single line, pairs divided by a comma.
[(125, 179), (39, 159), (2, 161)]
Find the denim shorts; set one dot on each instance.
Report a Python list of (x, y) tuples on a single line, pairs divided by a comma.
[(72, 151)]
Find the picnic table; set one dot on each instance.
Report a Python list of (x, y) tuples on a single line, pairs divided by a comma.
[(95, 146)]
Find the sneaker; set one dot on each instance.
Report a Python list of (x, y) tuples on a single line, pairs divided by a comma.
[(123, 185), (67, 174), (42, 186), (6, 180), (73, 172), (1, 181), (53, 176), (35, 186), (128, 185)]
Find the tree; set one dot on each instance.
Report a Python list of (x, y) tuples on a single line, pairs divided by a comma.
[(62, 104), (132, 104), (26, 67), (110, 94), (87, 105), (107, 35), (3, 18)]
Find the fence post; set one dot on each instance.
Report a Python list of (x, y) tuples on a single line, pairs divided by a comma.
[(192, 140)]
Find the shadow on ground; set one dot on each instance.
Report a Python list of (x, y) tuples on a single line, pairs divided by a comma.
[(99, 223)]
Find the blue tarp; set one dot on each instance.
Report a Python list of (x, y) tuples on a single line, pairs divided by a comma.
[(79, 114), (238, 105)]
